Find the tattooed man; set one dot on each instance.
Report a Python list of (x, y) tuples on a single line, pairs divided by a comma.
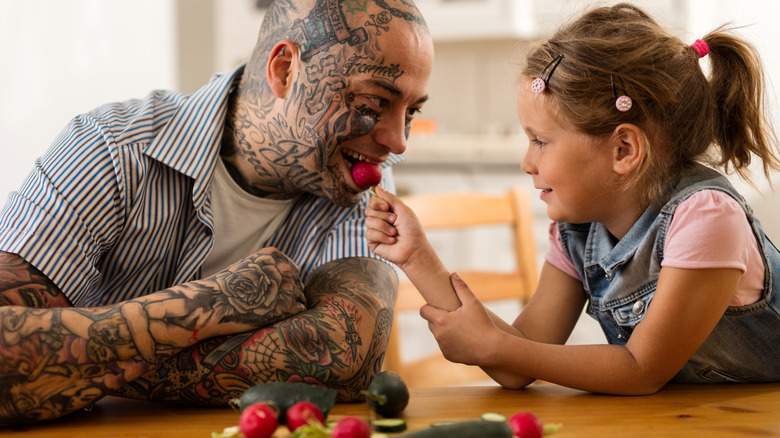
[(182, 248)]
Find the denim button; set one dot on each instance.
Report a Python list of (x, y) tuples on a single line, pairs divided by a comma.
[(621, 336), (608, 276), (639, 307)]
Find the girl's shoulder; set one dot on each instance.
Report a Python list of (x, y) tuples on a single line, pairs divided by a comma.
[(709, 228)]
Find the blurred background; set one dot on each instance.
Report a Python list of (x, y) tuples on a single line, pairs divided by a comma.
[(59, 58)]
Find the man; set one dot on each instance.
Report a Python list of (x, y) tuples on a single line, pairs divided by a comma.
[(183, 248)]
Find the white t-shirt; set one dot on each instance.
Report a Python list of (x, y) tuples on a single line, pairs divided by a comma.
[(242, 221), (708, 230)]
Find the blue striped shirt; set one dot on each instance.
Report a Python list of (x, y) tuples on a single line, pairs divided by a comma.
[(119, 206)]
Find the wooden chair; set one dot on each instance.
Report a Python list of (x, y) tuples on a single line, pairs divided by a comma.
[(461, 211)]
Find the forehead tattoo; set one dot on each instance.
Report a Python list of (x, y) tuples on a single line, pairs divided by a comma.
[(326, 24)]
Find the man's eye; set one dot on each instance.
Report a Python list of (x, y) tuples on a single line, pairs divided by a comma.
[(412, 112), (379, 102)]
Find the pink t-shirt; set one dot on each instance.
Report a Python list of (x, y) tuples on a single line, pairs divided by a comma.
[(708, 230)]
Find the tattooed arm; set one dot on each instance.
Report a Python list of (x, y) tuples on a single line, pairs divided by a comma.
[(338, 342), (57, 360)]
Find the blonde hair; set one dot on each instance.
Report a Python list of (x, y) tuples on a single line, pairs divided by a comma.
[(687, 118)]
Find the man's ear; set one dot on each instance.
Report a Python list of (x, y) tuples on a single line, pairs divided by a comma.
[(628, 148), (281, 66)]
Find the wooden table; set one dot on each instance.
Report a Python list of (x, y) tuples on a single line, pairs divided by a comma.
[(676, 411)]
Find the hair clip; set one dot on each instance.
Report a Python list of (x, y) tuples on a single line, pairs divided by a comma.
[(622, 103), (539, 84)]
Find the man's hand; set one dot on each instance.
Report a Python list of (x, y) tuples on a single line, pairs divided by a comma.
[(259, 290), (339, 341)]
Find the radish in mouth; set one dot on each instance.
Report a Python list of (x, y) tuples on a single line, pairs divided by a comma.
[(366, 174)]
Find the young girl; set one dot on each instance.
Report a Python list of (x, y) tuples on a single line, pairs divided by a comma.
[(625, 130)]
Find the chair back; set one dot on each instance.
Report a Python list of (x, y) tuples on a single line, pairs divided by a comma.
[(460, 212)]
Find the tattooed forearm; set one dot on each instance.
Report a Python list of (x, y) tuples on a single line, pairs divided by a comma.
[(51, 358), (23, 285), (339, 342)]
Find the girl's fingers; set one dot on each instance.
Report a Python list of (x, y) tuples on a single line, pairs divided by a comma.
[(377, 237), (379, 226), (462, 289), (378, 203)]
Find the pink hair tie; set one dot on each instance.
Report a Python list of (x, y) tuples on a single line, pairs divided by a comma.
[(701, 48)]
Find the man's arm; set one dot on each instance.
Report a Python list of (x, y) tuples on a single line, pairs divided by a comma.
[(56, 360), (23, 285), (339, 342)]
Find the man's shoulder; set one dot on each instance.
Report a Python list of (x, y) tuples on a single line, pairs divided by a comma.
[(137, 117)]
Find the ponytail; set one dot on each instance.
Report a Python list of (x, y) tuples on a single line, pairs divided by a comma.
[(737, 82)]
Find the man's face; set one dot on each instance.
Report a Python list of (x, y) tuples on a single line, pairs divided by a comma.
[(356, 102)]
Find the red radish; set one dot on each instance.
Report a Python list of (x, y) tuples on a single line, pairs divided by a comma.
[(258, 420), (351, 427), (301, 413), (526, 425), (366, 174)]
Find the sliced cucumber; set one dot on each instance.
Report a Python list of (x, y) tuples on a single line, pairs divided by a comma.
[(492, 416), (389, 425)]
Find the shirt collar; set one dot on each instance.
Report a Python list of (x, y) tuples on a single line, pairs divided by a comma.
[(189, 142)]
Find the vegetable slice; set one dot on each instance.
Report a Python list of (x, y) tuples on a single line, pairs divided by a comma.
[(389, 425), (493, 416)]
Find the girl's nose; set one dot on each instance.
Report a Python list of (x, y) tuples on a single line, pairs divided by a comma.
[(529, 163)]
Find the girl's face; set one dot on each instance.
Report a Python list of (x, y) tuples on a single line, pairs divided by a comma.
[(574, 172)]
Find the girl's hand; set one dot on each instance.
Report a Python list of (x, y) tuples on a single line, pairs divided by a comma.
[(393, 230), (467, 335)]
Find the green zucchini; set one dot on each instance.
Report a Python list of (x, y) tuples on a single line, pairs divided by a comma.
[(387, 394), (286, 394), (465, 429)]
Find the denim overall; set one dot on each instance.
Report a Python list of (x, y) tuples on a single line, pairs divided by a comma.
[(620, 278)]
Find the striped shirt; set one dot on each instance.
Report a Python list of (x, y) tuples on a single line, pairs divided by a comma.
[(119, 206)]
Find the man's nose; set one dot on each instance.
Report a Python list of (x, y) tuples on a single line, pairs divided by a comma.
[(392, 132)]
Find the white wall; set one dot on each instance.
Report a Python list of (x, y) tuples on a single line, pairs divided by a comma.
[(61, 58)]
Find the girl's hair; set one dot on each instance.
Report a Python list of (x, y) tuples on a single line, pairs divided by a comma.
[(611, 51)]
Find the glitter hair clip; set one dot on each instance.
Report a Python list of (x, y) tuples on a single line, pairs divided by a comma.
[(622, 103), (539, 84)]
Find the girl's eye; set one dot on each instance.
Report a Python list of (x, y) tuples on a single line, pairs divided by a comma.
[(538, 142)]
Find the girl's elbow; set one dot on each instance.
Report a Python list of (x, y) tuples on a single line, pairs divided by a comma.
[(510, 381)]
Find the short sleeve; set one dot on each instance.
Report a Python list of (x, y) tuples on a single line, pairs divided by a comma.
[(710, 230), (555, 255)]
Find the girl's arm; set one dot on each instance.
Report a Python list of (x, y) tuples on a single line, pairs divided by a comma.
[(395, 233), (549, 317), (687, 305)]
